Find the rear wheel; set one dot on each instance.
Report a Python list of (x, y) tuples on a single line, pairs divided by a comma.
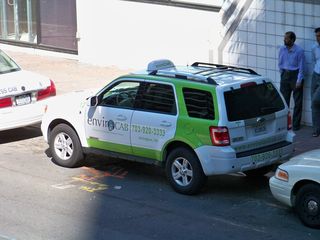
[(259, 172), (65, 146), (308, 205), (184, 171)]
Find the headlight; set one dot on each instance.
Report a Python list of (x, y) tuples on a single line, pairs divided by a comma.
[(282, 175)]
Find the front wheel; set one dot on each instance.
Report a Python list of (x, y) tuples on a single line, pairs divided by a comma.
[(308, 205), (65, 146), (184, 171)]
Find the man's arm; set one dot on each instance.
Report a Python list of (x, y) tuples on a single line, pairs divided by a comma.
[(301, 59), (280, 59)]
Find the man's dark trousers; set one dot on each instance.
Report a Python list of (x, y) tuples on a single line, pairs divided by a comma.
[(287, 86), (315, 102)]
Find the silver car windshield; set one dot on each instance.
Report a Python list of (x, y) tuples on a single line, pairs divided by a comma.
[(7, 64)]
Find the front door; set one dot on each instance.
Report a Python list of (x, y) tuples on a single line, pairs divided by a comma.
[(108, 124)]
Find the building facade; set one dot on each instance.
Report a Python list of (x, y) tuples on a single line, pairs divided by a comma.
[(43, 24), (131, 33), (252, 33)]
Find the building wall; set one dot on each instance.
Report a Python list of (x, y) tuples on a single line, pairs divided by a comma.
[(254, 33), (130, 34)]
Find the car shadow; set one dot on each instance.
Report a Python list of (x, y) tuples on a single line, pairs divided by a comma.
[(230, 184), (18, 134)]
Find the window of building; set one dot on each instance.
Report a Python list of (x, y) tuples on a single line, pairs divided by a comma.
[(58, 23), (18, 20), (42, 23), (199, 103), (210, 5), (157, 98)]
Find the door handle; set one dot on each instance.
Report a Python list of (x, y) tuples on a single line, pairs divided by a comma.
[(165, 124), (121, 118)]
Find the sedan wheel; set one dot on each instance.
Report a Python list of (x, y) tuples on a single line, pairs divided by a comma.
[(308, 205)]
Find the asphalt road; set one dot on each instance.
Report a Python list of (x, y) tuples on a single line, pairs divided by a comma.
[(115, 199)]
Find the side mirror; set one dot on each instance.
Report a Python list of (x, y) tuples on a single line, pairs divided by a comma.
[(93, 101)]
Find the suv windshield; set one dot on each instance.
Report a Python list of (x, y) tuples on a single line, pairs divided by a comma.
[(7, 64), (252, 101)]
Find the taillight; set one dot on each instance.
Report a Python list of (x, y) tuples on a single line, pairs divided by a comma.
[(49, 91), (289, 121), (219, 136), (5, 102)]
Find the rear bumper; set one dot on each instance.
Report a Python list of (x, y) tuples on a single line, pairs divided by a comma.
[(222, 160), (281, 190), (15, 117)]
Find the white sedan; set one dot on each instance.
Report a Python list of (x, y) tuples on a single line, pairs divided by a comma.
[(22, 95), (297, 184)]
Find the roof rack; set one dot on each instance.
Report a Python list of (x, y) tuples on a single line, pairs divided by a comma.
[(184, 75), (222, 68)]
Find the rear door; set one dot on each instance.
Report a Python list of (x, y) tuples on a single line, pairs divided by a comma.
[(256, 114), (154, 120)]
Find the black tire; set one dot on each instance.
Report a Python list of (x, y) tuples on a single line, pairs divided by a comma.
[(307, 205), (70, 153), (259, 172), (184, 183)]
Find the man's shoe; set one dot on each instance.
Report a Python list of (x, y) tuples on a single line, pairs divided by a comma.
[(315, 134)]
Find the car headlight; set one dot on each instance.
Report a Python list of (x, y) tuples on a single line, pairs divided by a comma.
[(282, 175)]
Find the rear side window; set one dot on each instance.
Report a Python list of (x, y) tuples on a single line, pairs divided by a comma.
[(252, 101), (199, 103), (158, 98)]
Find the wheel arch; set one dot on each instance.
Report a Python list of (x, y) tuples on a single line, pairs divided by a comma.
[(298, 185), (56, 122), (172, 145)]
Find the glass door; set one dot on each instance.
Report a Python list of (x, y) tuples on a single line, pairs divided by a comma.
[(18, 20)]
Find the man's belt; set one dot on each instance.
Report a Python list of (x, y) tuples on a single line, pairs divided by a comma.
[(290, 71)]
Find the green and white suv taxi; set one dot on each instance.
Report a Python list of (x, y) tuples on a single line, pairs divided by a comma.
[(195, 121)]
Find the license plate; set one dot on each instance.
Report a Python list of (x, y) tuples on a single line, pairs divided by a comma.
[(261, 157), (260, 129), (23, 99)]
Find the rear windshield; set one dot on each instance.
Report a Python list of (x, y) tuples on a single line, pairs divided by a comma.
[(252, 101), (7, 64)]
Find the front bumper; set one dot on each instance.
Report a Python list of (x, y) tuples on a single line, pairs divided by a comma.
[(281, 190)]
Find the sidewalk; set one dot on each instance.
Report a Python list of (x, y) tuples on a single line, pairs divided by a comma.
[(70, 75), (304, 140)]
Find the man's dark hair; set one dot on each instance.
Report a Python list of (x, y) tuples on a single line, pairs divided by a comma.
[(317, 30), (292, 35)]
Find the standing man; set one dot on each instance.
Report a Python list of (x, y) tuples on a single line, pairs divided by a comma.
[(291, 66), (315, 86)]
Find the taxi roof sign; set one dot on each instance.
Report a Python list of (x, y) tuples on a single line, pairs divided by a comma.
[(159, 64)]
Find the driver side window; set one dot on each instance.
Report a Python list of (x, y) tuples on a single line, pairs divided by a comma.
[(120, 95)]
